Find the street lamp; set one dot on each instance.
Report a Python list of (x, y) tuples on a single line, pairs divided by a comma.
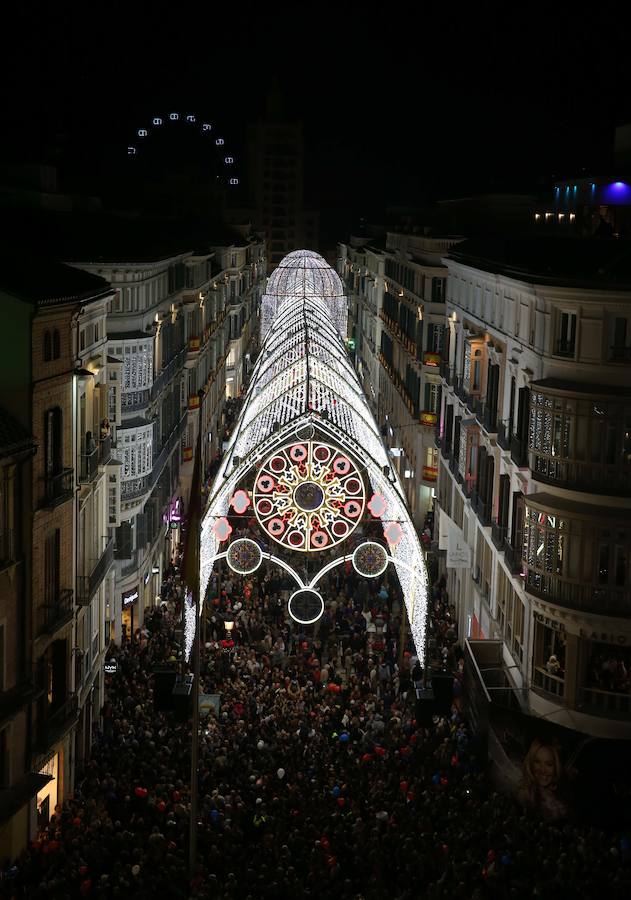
[(228, 624)]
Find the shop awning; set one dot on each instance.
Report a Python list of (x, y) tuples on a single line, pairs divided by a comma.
[(14, 798)]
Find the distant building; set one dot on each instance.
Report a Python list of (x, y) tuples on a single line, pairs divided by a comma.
[(396, 330), (276, 163)]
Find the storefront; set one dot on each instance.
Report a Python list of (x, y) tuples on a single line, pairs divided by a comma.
[(130, 614), (47, 797)]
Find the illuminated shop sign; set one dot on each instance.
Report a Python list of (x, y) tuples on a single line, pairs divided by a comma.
[(130, 597), (110, 667)]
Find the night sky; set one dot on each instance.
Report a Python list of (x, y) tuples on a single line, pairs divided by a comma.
[(396, 108)]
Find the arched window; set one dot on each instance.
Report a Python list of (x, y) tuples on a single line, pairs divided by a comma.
[(56, 346), (47, 346)]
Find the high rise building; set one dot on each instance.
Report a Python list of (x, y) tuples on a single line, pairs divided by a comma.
[(276, 171)]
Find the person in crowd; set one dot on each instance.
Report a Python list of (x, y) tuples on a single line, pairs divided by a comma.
[(316, 779)]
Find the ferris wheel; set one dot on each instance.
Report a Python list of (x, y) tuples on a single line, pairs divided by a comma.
[(225, 163)]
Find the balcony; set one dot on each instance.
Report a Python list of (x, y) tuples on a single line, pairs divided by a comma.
[(620, 354), (588, 598), (498, 535), (503, 435), (519, 451), (549, 684), (446, 372), (88, 466), (431, 359), (582, 476), (565, 348), (513, 558), (8, 550), (87, 585), (604, 703), (53, 616), (132, 401), (481, 509), (59, 487), (105, 450), (54, 720), (168, 372)]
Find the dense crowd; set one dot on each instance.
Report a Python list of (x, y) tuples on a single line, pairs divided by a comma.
[(317, 778)]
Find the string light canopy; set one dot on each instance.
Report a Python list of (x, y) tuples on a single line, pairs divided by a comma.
[(300, 274), (303, 412)]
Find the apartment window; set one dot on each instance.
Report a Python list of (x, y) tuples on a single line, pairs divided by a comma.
[(56, 344), (432, 397), (566, 334), (48, 346), (549, 659), (52, 558), (613, 559), (2, 658), (53, 441), (620, 348)]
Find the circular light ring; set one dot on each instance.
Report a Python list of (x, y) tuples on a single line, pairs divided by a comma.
[(265, 484), (278, 464), (313, 489), (305, 606), (370, 559), (244, 556)]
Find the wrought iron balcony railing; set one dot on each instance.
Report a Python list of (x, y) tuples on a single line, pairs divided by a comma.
[(56, 613), (58, 487)]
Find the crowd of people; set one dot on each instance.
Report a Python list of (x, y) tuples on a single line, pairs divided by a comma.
[(316, 779)]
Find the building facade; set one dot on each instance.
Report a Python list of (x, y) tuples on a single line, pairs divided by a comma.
[(535, 468), (55, 668), (396, 330)]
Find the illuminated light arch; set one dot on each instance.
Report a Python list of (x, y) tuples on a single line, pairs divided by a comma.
[(191, 123), (303, 379)]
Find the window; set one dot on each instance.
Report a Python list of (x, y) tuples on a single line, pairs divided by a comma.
[(566, 334), (53, 441), (48, 346), (619, 348), (432, 397), (549, 658), (52, 557), (56, 345), (2, 658)]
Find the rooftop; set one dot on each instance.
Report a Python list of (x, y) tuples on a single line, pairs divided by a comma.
[(113, 238), (599, 263), (14, 438), (44, 282)]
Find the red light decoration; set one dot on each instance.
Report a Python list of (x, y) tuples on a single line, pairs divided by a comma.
[(240, 502), (393, 533), (222, 529), (377, 505)]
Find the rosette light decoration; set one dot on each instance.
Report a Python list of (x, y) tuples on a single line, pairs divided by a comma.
[(306, 463)]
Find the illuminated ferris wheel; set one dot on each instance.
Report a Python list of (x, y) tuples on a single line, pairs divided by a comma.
[(176, 124)]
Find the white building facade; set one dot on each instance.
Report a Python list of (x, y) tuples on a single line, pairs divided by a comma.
[(535, 468), (397, 325)]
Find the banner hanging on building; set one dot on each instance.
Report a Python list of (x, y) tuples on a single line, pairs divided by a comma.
[(458, 551)]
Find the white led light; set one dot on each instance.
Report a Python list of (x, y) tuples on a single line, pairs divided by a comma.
[(296, 613), (370, 559), (189, 624), (303, 378)]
